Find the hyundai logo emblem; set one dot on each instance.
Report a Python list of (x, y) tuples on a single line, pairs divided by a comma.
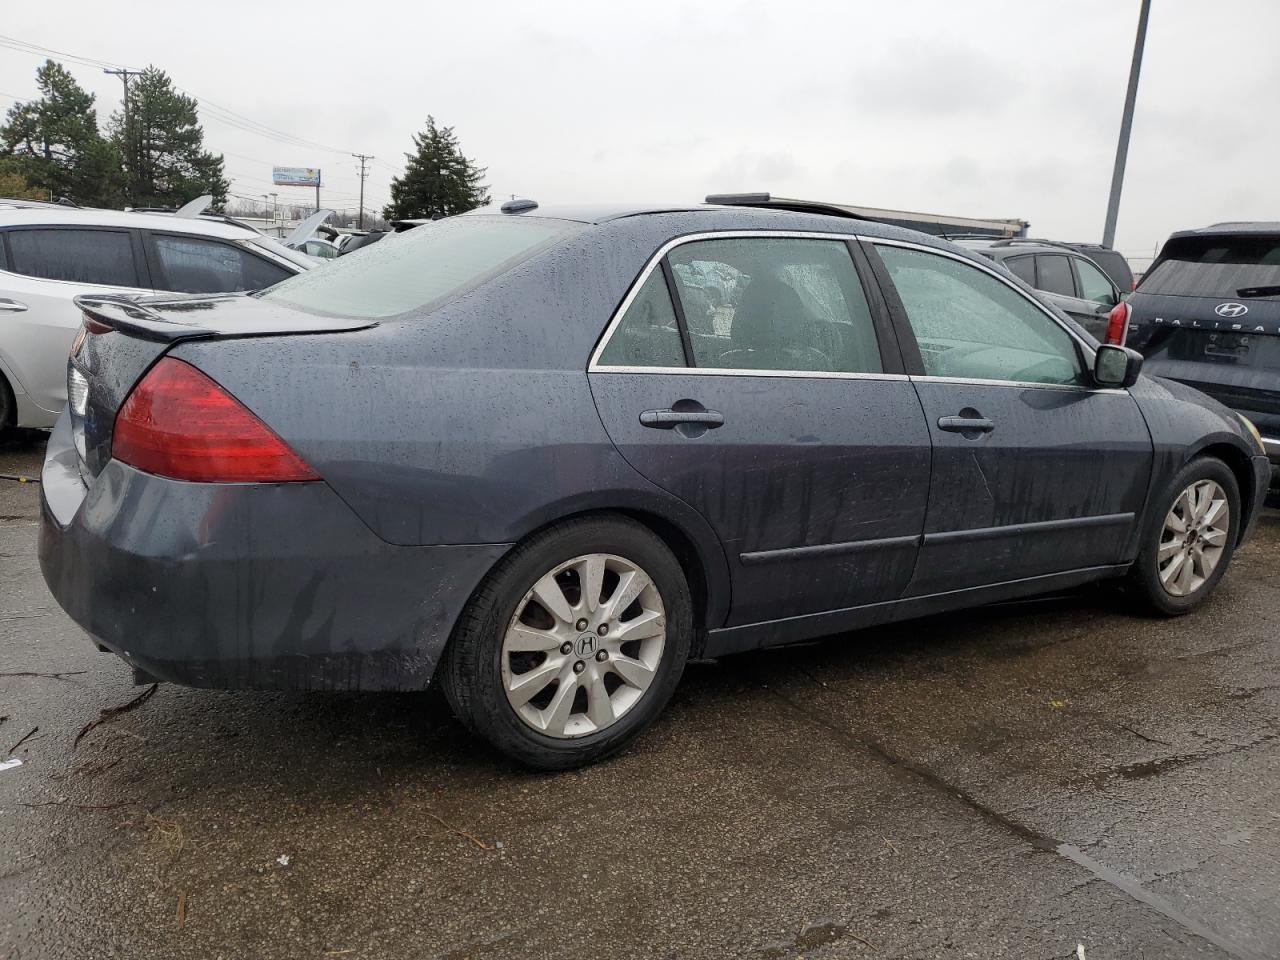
[(1231, 310)]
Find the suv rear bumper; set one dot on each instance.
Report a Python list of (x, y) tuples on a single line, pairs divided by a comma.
[(270, 586)]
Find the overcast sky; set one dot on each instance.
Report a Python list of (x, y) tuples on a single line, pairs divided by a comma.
[(1000, 108)]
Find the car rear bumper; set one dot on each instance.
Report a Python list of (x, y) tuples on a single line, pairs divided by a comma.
[(271, 586)]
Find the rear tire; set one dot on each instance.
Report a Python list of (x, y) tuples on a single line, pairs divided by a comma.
[(8, 409), (573, 644), (1188, 539)]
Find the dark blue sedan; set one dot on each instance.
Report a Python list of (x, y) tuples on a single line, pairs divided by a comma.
[(546, 456)]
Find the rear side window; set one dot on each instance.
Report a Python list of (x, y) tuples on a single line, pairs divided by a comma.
[(77, 256), (421, 268), (648, 334), (1215, 266), (1055, 275), (194, 265), (1024, 268), (775, 304)]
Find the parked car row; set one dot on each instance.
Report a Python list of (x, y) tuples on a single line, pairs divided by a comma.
[(544, 457), (50, 254), (1067, 278)]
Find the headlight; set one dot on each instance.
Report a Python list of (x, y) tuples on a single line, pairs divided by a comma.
[(1257, 437)]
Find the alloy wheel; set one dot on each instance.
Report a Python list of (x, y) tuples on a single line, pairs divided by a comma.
[(1194, 537), (583, 646)]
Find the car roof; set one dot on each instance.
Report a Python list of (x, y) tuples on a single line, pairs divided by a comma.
[(88, 217), (722, 217), (1001, 251), (1231, 227)]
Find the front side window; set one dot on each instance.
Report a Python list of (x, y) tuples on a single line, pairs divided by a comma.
[(194, 265), (971, 325), (647, 335), (1094, 284), (78, 256), (774, 303), (421, 268), (1055, 275)]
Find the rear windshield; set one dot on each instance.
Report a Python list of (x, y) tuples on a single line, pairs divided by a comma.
[(419, 268), (1214, 266)]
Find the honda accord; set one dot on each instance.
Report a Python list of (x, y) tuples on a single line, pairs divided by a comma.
[(545, 457)]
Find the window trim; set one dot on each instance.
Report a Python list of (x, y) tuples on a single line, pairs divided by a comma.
[(141, 269), (1086, 350), (155, 265), (659, 261)]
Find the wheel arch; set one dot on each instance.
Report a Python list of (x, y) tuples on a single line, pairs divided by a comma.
[(686, 534), (1241, 467)]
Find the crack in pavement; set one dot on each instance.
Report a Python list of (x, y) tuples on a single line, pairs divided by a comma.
[(1152, 768), (1034, 838)]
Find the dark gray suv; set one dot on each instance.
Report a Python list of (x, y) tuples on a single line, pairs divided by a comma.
[(1067, 279)]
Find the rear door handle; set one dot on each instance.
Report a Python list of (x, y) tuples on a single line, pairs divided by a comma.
[(667, 419), (11, 306), (965, 424)]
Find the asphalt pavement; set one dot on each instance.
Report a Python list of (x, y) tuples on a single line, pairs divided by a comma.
[(1049, 779)]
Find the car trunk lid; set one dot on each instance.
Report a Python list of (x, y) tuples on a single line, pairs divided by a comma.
[(123, 337)]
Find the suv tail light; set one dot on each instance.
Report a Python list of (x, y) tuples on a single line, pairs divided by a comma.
[(1118, 324), (178, 423)]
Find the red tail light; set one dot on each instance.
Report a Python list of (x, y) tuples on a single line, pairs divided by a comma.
[(1118, 324), (178, 423), (93, 325)]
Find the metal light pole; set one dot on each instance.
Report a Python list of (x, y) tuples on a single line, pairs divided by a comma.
[(1126, 125)]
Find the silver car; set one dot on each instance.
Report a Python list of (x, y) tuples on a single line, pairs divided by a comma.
[(50, 254)]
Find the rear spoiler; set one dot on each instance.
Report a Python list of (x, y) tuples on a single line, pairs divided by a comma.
[(189, 317)]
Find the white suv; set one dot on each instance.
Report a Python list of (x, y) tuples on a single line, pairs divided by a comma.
[(50, 254)]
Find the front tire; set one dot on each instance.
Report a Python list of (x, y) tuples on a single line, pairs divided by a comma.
[(1189, 538), (573, 644)]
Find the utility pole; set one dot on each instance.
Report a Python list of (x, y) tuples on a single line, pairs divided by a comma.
[(124, 76), (363, 158), (1126, 125)]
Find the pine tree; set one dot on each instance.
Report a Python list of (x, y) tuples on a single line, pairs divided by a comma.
[(55, 143), (160, 140), (438, 180), (14, 183)]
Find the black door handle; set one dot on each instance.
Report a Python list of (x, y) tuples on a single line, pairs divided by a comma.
[(667, 419), (965, 425)]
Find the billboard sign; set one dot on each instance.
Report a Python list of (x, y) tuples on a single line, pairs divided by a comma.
[(295, 176)]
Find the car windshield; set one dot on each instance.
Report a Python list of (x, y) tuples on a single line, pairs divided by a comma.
[(1215, 266), (423, 268)]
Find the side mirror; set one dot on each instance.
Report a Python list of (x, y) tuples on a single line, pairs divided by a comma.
[(1116, 367)]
